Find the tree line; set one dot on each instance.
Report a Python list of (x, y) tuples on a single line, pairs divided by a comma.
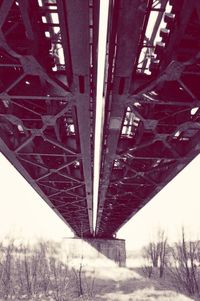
[(179, 262), (37, 273)]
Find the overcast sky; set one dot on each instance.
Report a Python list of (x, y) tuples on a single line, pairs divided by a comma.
[(24, 214)]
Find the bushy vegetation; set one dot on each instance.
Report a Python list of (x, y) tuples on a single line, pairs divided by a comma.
[(36, 273)]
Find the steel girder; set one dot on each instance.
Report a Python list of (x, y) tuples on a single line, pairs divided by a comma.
[(48, 78), (47, 102), (152, 116)]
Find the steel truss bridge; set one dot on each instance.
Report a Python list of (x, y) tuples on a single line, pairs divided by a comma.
[(48, 96)]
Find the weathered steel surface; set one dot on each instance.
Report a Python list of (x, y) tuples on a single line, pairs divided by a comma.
[(152, 119), (47, 101), (48, 79)]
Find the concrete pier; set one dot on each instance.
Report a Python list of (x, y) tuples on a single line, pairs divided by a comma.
[(113, 249), (96, 249)]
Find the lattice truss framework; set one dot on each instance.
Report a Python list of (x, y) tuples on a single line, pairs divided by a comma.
[(152, 116), (47, 100)]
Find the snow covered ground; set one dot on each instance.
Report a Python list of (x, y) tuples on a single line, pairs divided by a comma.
[(147, 294), (113, 283), (102, 279)]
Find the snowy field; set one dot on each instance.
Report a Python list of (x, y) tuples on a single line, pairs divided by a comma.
[(73, 266)]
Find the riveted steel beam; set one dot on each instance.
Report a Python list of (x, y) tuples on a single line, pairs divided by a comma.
[(151, 131)]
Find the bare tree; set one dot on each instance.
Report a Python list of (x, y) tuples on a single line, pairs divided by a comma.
[(59, 279), (147, 266), (155, 254), (184, 266), (44, 268), (6, 270), (35, 272), (152, 251), (162, 252), (78, 276)]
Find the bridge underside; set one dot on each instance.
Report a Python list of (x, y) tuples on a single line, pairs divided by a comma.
[(48, 79), (151, 128), (47, 105)]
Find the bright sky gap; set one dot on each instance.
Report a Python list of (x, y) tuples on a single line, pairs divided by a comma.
[(103, 22)]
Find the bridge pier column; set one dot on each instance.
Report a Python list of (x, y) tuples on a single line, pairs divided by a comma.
[(113, 249)]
